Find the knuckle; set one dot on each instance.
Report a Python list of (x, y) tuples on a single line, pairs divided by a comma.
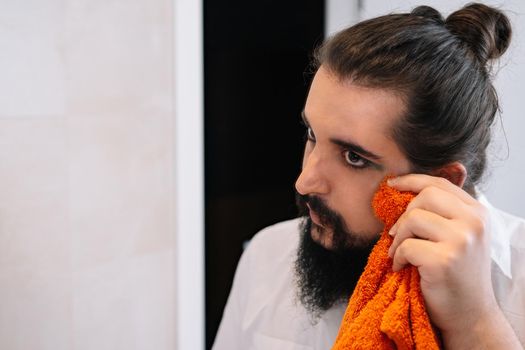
[(475, 228), (410, 214), (430, 196), (450, 260), (470, 238), (401, 250), (478, 227), (441, 181), (429, 192), (483, 214), (415, 213), (480, 222), (411, 219), (467, 236), (464, 243)]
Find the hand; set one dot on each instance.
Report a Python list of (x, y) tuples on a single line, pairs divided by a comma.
[(444, 234)]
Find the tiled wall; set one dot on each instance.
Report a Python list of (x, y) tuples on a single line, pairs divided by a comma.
[(86, 153)]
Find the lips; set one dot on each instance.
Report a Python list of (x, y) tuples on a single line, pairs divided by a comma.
[(314, 217)]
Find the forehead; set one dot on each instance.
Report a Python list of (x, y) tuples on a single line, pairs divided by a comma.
[(353, 105), (345, 110)]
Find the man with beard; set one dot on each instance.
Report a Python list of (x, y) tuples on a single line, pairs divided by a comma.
[(327, 276), (407, 95)]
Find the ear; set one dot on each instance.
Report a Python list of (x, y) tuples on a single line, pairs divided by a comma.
[(454, 172)]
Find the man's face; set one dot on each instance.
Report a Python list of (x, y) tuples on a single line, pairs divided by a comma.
[(348, 151)]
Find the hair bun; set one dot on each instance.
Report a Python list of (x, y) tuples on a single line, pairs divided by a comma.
[(486, 30), (428, 12)]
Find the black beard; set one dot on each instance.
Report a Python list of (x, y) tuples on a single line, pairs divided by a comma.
[(326, 277)]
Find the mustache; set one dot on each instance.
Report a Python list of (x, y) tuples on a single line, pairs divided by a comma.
[(305, 203)]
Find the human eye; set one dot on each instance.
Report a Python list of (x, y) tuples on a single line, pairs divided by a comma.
[(310, 136), (355, 160)]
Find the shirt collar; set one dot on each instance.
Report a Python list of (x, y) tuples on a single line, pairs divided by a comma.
[(499, 237)]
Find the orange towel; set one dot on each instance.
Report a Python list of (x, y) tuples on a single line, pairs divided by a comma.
[(387, 310)]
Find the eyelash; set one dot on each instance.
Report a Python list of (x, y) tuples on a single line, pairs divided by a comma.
[(365, 162), (309, 136)]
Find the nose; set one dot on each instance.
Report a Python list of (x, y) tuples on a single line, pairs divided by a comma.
[(312, 181)]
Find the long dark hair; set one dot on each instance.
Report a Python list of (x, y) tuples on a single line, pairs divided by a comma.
[(441, 67)]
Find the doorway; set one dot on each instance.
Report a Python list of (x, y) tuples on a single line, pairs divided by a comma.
[(255, 58)]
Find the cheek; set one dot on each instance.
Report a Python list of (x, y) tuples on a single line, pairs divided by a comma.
[(355, 199)]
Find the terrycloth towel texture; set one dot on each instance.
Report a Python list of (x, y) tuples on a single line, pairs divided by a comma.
[(387, 310)]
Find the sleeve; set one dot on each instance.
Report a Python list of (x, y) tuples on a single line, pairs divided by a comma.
[(230, 334)]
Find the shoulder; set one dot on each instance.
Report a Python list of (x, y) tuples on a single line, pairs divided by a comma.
[(274, 246), (262, 310), (507, 238), (264, 276), (279, 236), (508, 276), (515, 228), (267, 260)]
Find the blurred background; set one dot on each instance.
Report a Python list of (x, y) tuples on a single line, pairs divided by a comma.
[(142, 143)]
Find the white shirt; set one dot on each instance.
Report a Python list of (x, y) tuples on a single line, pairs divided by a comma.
[(263, 312)]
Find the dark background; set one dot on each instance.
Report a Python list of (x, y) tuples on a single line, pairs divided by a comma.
[(255, 58)]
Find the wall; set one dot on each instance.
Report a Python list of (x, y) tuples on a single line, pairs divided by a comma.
[(87, 244)]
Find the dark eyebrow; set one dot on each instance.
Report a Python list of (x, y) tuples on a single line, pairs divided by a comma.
[(347, 144)]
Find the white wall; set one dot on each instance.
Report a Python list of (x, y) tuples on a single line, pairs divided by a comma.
[(503, 184), (88, 250), (340, 14)]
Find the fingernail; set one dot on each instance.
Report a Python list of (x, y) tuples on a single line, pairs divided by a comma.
[(393, 230), (392, 181)]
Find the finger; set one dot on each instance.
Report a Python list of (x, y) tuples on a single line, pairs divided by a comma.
[(417, 182), (422, 224), (439, 201), (417, 252)]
